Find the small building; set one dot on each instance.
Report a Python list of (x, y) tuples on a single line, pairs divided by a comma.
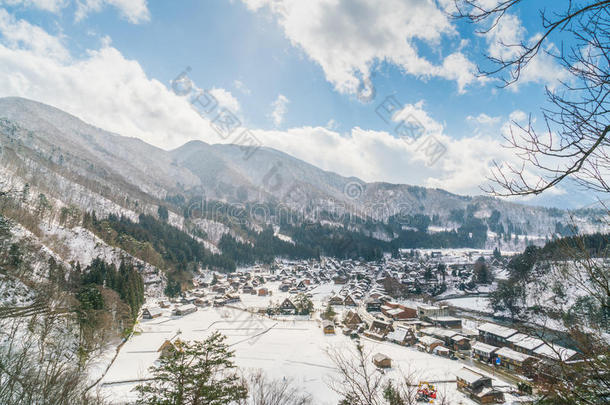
[(417, 324), (440, 333), (477, 387), (168, 348), (428, 343), (483, 352), (426, 311), (349, 301), (523, 343), (185, 309), (340, 280), (188, 300), (352, 320), (514, 361), (287, 307), (202, 302), (446, 322), (398, 313), (373, 305), (441, 350), (460, 343), (263, 292), (382, 361), (553, 352), (328, 327), (232, 298), (402, 336), (335, 300), (378, 330), (151, 313), (496, 335)]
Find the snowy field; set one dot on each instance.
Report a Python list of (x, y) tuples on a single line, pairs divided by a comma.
[(282, 347), (480, 304)]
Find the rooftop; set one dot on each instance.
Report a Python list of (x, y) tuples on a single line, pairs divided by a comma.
[(555, 352), (525, 341), (483, 347), (511, 354), (497, 330), (469, 375)]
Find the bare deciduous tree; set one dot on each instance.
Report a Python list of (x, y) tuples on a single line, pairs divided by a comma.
[(359, 382), (574, 144), (266, 391)]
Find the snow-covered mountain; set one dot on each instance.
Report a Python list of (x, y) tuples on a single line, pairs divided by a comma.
[(79, 165)]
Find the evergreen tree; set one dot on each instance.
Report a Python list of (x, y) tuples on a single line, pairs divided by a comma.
[(195, 373), (163, 213)]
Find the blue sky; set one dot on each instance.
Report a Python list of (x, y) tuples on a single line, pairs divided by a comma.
[(289, 70)]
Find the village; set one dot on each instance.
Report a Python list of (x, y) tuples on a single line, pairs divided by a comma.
[(283, 318)]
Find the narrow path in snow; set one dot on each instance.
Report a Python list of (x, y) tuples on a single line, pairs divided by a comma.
[(253, 336)]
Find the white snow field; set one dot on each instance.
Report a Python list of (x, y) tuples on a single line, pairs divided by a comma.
[(291, 347), (480, 304)]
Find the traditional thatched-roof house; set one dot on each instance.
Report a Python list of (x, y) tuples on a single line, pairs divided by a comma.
[(150, 313), (328, 327), (287, 307)]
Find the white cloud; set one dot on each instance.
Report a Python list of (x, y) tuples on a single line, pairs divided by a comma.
[(239, 85), (135, 11), (332, 124), (53, 6), (225, 99), (279, 109), (346, 38), (503, 41), (104, 88), (109, 91), (484, 119), (382, 156), (20, 34), (518, 116)]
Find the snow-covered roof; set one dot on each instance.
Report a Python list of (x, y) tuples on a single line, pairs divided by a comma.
[(484, 347), (399, 334), (427, 307), (555, 352), (429, 340), (468, 375), (445, 319), (497, 330), (447, 333), (380, 357), (154, 311), (511, 354), (526, 342)]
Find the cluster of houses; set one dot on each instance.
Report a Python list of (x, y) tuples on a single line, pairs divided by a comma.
[(517, 352), (366, 291), (430, 328)]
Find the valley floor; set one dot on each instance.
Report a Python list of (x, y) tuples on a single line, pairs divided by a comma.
[(284, 347)]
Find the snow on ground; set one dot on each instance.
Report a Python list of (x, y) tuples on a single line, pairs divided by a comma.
[(293, 347), (480, 304)]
